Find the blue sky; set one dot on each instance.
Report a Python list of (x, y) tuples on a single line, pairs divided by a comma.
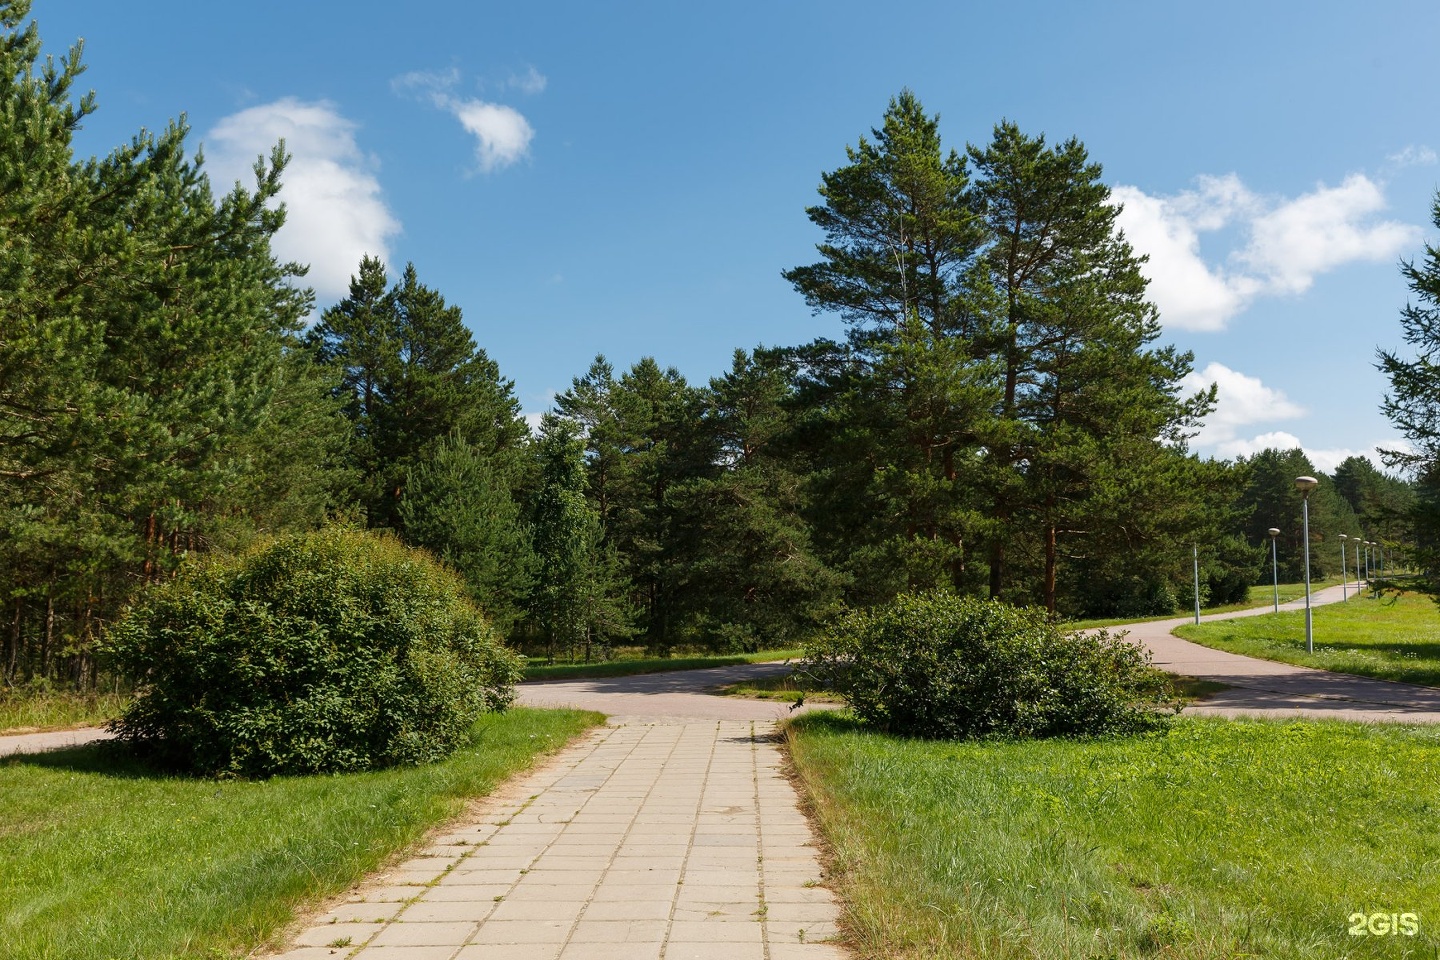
[(631, 178)]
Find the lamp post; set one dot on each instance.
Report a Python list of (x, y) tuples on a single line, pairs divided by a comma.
[(1195, 552), (1345, 577), (1358, 579), (1305, 485), (1275, 567)]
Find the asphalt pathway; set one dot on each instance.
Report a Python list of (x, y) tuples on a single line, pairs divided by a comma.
[(1270, 689)]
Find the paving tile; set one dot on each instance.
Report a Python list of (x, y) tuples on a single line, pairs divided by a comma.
[(647, 841), (619, 931), (326, 934), (423, 934)]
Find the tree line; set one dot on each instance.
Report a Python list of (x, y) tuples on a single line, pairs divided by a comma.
[(994, 416)]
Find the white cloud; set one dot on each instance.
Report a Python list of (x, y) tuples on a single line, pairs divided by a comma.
[(1293, 243), (1240, 401), (1413, 156), (502, 133), (335, 211), (531, 81), (1289, 242), (1249, 446)]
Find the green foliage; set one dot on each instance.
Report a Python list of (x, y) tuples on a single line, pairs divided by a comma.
[(998, 416), (150, 404), (410, 378), (458, 505), (579, 596), (1413, 405), (329, 651), (942, 666)]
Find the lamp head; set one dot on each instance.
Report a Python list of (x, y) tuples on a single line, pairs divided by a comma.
[(1274, 531), (1306, 484)]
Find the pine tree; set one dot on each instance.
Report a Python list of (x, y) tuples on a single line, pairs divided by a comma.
[(412, 376), (1413, 405), (459, 506), (579, 596)]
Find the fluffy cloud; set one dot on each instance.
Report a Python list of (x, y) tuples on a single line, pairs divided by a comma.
[(1240, 401), (335, 210), (1288, 243), (1244, 401), (502, 133)]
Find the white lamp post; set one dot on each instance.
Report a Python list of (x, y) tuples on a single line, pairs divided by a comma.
[(1275, 567), (1305, 485), (1195, 552), (1345, 577)]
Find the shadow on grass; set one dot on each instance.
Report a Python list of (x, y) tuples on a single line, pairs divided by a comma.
[(107, 758)]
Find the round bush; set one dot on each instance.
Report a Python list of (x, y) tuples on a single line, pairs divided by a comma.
[(942, 666), (331, 651)]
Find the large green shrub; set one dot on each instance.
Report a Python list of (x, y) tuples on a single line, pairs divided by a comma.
[(329, 651), (937, 665)]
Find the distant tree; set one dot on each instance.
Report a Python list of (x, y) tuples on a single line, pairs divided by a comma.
[(579, 595), (907, 400), (458, 505), (745, 572), (411, 376), (1271, 500), (1413, 403)]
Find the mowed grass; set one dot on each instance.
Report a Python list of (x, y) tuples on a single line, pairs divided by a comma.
[(1392, 638), (1218, 839), (626, 668), (29, 712), (101, 857)]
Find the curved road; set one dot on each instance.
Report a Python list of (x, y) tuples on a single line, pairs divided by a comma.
[(1257, 688), (1268, 688)]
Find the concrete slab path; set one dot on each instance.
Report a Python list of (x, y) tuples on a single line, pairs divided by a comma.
[(650, 839)]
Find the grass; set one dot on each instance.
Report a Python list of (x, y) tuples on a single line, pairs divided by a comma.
[(31, 712), (788, 689), (102, 857), (1393, 638), (1258, 597), (1217, 839), (626, 668)]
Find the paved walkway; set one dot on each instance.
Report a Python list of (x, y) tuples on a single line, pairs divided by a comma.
[(649, 839), (1268, 688)]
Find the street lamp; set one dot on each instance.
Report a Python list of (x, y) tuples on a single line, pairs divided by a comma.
[(1305, 485), (1195, 552), (1345, 577), (1275, 567)]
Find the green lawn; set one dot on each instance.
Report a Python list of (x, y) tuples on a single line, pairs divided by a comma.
[(101, 857), (625, 668), (1218, 839), (29, 712), (1393, 638)]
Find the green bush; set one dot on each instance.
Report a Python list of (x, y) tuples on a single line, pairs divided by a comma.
[(941, 666), (330, 651)]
